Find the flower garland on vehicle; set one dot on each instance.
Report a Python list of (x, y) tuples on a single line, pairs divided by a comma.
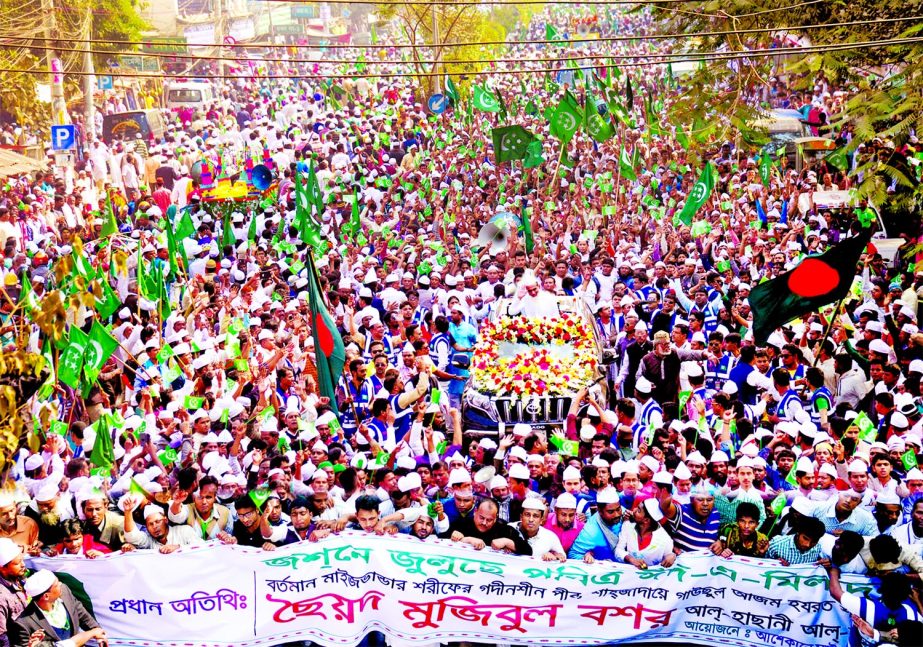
[(536, 370)]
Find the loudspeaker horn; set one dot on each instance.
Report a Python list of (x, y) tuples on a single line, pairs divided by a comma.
[(261, 176)]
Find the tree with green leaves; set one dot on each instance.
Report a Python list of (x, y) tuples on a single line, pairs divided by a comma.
[(885, 107)]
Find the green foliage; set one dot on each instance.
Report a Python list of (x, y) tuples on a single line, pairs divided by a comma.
[(886, 82)]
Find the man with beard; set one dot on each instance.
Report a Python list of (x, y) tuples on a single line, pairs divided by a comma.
[(600, 535), (101, 524), (693, 526), (48, 511), (564, 522), (485, 528), (19, 528), (545, 544), (423, 528), (13, 597), (160, 535)]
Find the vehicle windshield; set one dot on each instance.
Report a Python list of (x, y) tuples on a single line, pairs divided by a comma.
[(184, 95)]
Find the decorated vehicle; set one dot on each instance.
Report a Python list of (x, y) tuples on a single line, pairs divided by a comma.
[(527, 369)]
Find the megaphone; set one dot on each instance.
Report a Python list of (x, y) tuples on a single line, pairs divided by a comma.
[(494, 236), (261, 177), (196, 171)]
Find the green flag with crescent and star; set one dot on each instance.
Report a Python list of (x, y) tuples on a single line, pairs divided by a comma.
[(511, 143), (100, 346), (565, 121), (697, 195), (71, 360), (594, 123), (485, 100)]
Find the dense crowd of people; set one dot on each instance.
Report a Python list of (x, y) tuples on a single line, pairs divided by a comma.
[(801, 450)]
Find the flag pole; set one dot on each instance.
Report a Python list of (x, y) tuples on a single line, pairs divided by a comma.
[(833, 317)]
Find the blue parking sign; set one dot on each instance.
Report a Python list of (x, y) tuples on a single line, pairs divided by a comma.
[(63, 137), (104, 82)]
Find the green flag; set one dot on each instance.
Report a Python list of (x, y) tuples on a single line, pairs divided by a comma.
[(511, 143), (27, 295), (485, 100), (838, 159), (552, 35), (100, 346), (308, 231), (184, 228), (259, 497), (565, 121), (315, 195), (765, 168), (626, 167), (227, 231), (909, 459), (172, 247), (71, 360), (698, 195), (109, 303), (451, 91), (103, 455), (330, 354), (527, 232), (594, 123), (251, 231), (110, 225)]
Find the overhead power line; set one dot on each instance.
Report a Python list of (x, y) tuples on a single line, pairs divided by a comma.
[(661, 59), (570, 40)]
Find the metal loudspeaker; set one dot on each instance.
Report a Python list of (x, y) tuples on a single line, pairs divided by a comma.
[(261, 176), (196, 171), (496, 237)]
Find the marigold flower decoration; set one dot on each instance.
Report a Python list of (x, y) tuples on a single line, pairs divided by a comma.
[(539, 368)]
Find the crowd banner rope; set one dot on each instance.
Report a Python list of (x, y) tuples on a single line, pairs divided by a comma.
[(335, 591)]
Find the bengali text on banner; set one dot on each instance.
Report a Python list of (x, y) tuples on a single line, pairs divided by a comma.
[(335, 591)]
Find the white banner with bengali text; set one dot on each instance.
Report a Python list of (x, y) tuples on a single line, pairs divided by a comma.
[(336, 591)]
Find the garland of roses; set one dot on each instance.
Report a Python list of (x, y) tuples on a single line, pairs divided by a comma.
[(534, 371)]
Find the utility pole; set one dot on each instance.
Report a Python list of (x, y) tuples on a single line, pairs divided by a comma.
[(89, 80), (437, 81), (55, 68)]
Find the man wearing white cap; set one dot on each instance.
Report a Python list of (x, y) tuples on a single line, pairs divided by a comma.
[(564, 522), (545, 544), (15, 526), (160, 535), (56, 612), (13, 598), (600, 535)]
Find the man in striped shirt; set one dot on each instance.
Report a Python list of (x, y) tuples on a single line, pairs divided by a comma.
[(695, 525)]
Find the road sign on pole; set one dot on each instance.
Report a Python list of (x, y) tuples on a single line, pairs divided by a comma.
[(63, 137)]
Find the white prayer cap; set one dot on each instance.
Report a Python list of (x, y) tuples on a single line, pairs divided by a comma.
[(888, 497), (497, 482), (409, 482), (533, 503), (458, 476), (566, 501), (643, 385), (858, 466), (607, 495), (696, 457), (682, 473), (828, 469), (39, 582), (47, 492), (718, 457), (804, 466), (9, 550), (653, 508), (519, 471), (914, 475), (571, 473), (803, 505), (152, 511)]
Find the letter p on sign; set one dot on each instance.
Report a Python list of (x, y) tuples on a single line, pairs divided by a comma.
[(63, 137)]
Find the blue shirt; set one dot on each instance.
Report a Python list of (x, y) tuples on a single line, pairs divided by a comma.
[(592, 540)]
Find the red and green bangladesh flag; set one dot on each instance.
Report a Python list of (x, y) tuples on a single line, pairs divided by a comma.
[(817, 281), (330, 354)]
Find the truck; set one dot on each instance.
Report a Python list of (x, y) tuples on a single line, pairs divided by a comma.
[(529, 369), (843, 205)]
